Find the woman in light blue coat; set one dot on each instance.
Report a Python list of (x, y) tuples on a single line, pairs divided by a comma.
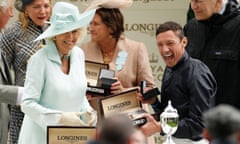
[(55, 86)]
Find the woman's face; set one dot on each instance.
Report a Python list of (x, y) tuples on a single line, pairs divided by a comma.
[(65, 42), (39, 11), (99, 31)]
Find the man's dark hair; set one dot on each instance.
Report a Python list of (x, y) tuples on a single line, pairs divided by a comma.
[(116, 129), (222, 121), (171, 26)]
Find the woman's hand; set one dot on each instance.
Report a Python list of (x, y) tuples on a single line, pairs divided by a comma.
[(89, 96), (72, 118), (116, 87)]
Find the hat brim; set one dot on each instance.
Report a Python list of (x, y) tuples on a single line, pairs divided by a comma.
[(83, 21), (109, 4)]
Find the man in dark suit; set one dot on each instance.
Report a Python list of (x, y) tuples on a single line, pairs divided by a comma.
[(8, 94), (214, 38)]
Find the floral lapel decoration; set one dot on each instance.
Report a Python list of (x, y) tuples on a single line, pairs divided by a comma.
[(121, 59)]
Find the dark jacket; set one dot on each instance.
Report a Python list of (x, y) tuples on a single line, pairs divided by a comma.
[(223, 141), (216, 42), (191, 88)]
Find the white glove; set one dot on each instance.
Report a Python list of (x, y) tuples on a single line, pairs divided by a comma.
[(19, 96), (72, 118), (89, 117)]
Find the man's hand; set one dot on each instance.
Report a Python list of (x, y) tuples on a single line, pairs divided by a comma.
[(148, 101), (151, 127)]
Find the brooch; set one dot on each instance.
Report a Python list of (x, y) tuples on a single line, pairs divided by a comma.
[(121, 59)]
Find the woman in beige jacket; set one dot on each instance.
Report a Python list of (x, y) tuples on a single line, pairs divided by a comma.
[(128, 58), (108, 44)]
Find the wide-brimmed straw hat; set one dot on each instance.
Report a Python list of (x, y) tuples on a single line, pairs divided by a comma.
[(95, 4), (65, 18)]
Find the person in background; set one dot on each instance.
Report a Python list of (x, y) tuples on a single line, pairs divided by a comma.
[(118, 128), (217, 44), (6, 7), (138, 137), (55, 86), (8, 94), (187, 82), (16, 43), (222, 125), (190, 14)]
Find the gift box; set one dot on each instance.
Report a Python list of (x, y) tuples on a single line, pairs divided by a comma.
[(99, 78), (70, 134), (125, 102)]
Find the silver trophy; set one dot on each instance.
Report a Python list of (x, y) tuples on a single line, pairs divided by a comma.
[(169, 122)]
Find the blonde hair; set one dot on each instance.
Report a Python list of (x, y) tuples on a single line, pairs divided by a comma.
[(24, 18), (83, 33)]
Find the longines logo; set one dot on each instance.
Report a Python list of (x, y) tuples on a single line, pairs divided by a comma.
[(143, 28), (72, 139), (91, 73), (119, 105), (157, 68)]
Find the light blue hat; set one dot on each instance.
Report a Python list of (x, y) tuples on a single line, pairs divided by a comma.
[(65, 18)]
